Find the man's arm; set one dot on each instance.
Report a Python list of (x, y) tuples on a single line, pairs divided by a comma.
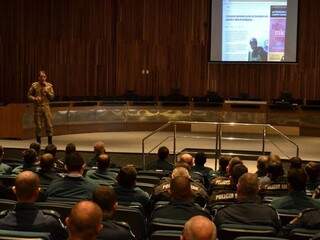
[(49, 92), (31, 94)]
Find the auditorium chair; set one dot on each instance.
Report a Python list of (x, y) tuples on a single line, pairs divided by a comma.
[(166, 235), (232, 231), (6, 204), (259, 238), (63, 209), (303, 233), (157, 173), (158, 224), (22, 235), (147, 187), (148, 179), (287, 215)]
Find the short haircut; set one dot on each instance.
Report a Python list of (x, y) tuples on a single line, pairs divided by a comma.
[(163, 153), (297, 178), (187, 158), (223, 162), (200, 159), (199, 227), (183, 164), (105, 197), (275, 169), (70, 148), (248, 185), (237, 171), (74, 162), (46, 161), (127, 176), (180, 188), (295, 162), (234, 161), (26, 184), (51, 148), (313, 170), (262, 163), (103, 161), (29, 156), (84, 219), (180, 172), (35, 146)]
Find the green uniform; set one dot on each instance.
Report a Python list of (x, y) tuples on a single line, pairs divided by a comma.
[(42, 110)]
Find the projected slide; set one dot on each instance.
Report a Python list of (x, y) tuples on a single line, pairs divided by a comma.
[(253, 30)]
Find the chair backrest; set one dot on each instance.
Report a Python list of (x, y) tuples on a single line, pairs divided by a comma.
[(147, 187), (7, 180), (148, 179), (63, 209), (156, 173), (22, 235), (135, 218), (6, 204), (232, 231), (158, 224), (287, 215), (166, 235), (303, 233), (259, 238)]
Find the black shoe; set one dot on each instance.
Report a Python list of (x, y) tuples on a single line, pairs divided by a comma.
[(38, 139), (49, 139)]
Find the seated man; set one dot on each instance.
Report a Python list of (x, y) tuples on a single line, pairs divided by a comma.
[(161, 163), (313, 171), (187, 159), (98, 149), (85, 221), (102, 175), (73, 186), (162, 192), (126, 189), (200, 160), (262, 163), (30, 163), (295, 162), (199, 227), (47, 172), (26, 216), (297, 198), (181, 206), (249, 210), (106, 198), (4, 168), (223, 163), (58, 163)]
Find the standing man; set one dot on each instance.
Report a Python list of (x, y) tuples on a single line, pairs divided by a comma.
[(40, 93)]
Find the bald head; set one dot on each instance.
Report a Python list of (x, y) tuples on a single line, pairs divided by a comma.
[(27, 186), (99, 147), (187, 158), (248, 186), (84, 221), (180, 188), (46, 161), (180, 172), (199, 228)]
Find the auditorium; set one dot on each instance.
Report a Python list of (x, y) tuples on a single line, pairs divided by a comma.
[(160, 120)]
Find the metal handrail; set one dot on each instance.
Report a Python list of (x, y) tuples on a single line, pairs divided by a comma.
[(218, 135)]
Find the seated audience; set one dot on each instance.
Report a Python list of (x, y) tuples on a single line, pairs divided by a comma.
[(106, 198), (58, 163), (26, 216), (102, 175), (262, 164), (47, 172), (187, 160), (207, 172), (181, 206), (199, 228), (162, 192), (29, 162), (295, 162), (37, 147), (126, 189), (85, 221), (70, 148), (4, 168), (234, 161), (162, 162), (73, 186), (313, 172), (248, 210), (297, 198), (98, 149), (223, 163)]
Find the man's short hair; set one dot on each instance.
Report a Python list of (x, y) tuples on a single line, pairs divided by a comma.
[(46, 161), (183, 164), (275, 169), (99, 147), (186, 158), (35, 146), (74, 162), (297, 178), (237, 171), (26, 184), (85, 219), (295, 162), (262, 163), (70, 148), (313, 170), (199, 227), (105, 197), (51, 148), (29, 156), (180, 188), (103, 161), (233, 161), (224, 162), (180, 172), (163, 153), (248, 185), (200, 159), (127, 176)]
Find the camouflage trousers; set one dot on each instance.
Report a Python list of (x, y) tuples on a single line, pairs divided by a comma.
[(43, 114)]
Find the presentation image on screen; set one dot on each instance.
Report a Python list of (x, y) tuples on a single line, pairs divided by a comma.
[(254, 30)]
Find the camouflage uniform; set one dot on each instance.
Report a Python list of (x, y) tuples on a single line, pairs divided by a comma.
[(41, 108)]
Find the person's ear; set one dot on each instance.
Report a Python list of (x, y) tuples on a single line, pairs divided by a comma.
[(99, 228), (115, 206), (14, 189), (67, 221)]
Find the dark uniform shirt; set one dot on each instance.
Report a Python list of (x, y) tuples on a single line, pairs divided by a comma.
[(102, 177), (206, 172), (26, 167), (162, 192), (46, 177), (161, 165), (221, 183), (295, 200), (249, 213), (93, 161), (27, 217), (135, 194), (72, 187), (5, 169), (113, 230)]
